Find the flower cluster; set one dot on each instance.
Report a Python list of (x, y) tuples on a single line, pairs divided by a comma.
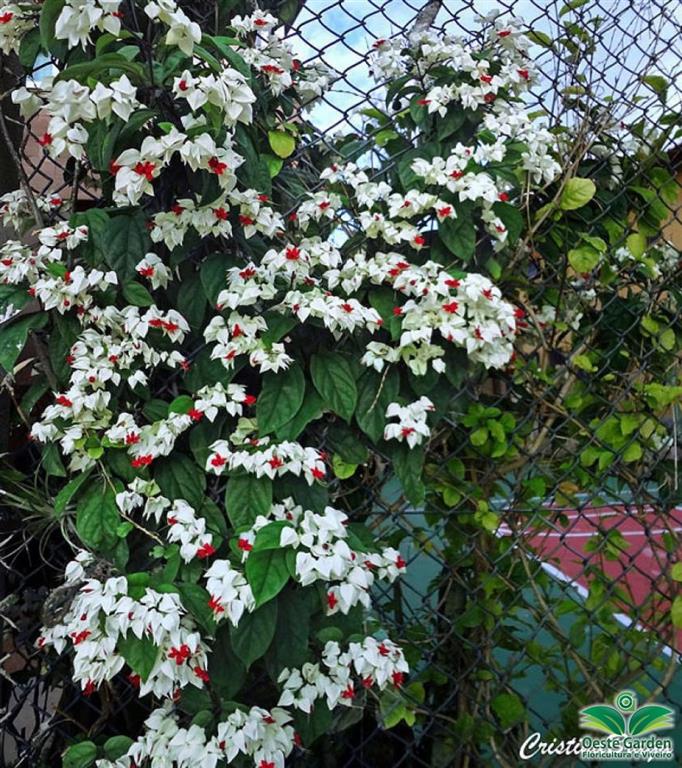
[(342, 675), (70, 104), (272, 461), (15, 22), (265, 736), (411, 425), (323, 553), (103, 615)]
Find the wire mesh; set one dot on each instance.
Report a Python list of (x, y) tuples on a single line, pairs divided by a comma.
[(571, 596)]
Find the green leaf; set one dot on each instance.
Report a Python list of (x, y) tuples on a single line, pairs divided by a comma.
[(636, 243), (29, 48), (658, 84), (80, 755), (105, 63), (571, 6), (180, 478), (246, 497), (345, 442), (195, 598), (13, 335), (676, 611), (181, 404), (511, 218), (274, 164), (69, 491), (137, 295), (267, 573), (676, 572), (311, 408), (584, 258), (127, 241), (97, 517), (382, 137), (451, 123), (269, 536), (116, 747), (334, 380), (376, 393), (508, 708), (393, 708), (282, 143), (292, 631), (140, 653), (342, 469), (226, 670), (577, 192), (224, 46), (540, 38), (311, 727), (314, 497), (48, 19), (280, 398), (213, 276), (251, 638), (408, 464), (459, 235)]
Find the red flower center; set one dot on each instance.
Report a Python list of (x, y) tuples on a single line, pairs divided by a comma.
[(145, 169)]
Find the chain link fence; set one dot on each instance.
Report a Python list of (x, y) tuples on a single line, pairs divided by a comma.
[(566, 599)]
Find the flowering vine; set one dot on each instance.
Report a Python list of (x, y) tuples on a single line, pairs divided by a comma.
[(215, 331)]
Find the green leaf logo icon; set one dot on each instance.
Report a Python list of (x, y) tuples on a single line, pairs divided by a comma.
[(604, 718), (625, 718), (651, 718)]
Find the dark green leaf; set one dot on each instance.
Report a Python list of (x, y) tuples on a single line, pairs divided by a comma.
[(333, 378), (311, 409), (127, 243), (408, 463), (180, 478), (97, 517), (376, 392), (247, 496), (48, 18), (191, 303), (105, 63), (137, 294), (511, 218), (267, 574), (268, 537), (314, 497), (117, 746), (226, 670), (251, 638), (29, 48), (459, 235), (195, 598), (140, 653), (69, 491), (80, 755), (13, 335), (280, 398), (290, 648)]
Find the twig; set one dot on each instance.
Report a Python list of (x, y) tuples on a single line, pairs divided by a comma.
[(23, 180)]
